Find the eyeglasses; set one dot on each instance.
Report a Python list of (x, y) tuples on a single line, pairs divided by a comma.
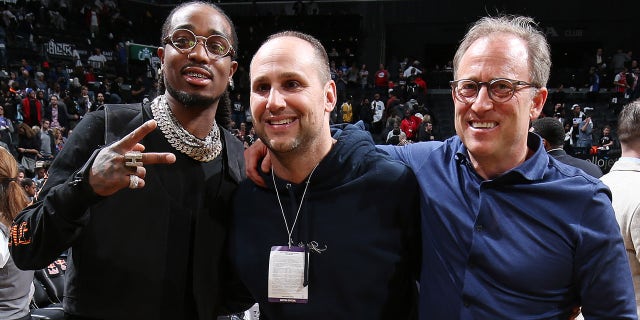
[(185, 40), (499, 89)]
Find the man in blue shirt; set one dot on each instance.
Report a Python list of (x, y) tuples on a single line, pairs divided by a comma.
[(507, 232)]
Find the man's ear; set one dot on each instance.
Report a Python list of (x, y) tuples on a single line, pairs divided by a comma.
[(546, 144), (330, 96), (539, 99)]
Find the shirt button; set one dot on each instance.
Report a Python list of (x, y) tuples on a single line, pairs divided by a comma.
[(479, 228)]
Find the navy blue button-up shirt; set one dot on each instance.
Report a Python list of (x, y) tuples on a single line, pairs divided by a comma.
[(534, 243)]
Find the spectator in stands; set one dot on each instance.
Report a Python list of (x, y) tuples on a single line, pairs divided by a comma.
[(363, 76), (28, 147), (593, 85), (99, 102), (574, 118), (598, 60), (26, 65), (97, 60), (585, 133), (413, 70), (111, 91), (491, 191), (84, 101), (40, 97), (326, 173), (622, 85), (619, 60), (92, 198), (366, 113), (419, 88), (24, 79), (41, 84), (57, 112), (138, 89), (89, 76), (381, 81), (624, 181), (121, 59), (425, 131), (92, 17), (41, 174), (47, 141), (238, 109), (393, 100), (559, 113), (396, 135), (377, 106), (393, 118), (346, 111), (29, 187), (59, 139), (410, 124), (606, 142), (552, 134), (57, 21), (16, 286), (31, 108)]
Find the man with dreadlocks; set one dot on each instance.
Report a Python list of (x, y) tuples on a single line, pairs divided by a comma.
[(145, 217)]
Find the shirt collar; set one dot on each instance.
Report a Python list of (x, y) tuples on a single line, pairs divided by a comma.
[(531, 169)]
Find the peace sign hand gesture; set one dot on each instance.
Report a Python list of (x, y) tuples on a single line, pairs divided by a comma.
[(121, 164)]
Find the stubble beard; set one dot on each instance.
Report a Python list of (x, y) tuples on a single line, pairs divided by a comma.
[(191, 100), (280, 147)]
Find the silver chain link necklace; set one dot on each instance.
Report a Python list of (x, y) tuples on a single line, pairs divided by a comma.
[(198, 149)]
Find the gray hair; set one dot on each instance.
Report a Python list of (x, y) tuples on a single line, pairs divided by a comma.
[(524, 28), (629, 123)]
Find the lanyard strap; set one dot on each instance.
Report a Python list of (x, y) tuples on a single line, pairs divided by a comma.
[(286, 225)]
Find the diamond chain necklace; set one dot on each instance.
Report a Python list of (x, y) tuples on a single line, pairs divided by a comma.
[(198, 149)]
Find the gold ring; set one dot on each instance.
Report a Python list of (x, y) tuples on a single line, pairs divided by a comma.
[(131, 159)]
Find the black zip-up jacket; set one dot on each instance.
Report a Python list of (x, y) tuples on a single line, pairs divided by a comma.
[(150, 253)]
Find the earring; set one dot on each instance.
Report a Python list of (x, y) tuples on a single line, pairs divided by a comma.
[(231, 82)]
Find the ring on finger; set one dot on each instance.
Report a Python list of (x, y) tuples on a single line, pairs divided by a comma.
[(133, 181), (131, 159)]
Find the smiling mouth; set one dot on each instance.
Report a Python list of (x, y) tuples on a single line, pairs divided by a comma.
[(482, 124), (280, 122)]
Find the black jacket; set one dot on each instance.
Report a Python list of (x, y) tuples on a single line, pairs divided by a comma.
[(586, 166), (362, 207), (150, 253)]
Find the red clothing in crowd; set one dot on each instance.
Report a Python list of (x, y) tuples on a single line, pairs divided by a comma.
[(26, 110), (409, 125)]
